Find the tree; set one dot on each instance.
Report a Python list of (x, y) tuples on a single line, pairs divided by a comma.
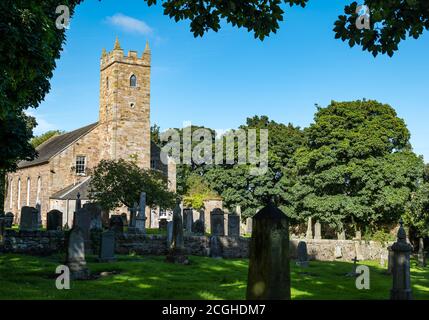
[(118, 182), (357, 166), (198, 191), (251, 192), (38, 140)]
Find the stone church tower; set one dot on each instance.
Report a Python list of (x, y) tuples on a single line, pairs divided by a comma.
[(125, 105)]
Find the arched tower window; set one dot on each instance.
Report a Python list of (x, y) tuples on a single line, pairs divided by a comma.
[(11, 194), (18, 204), (133, 81), (39, 188), (28, 190)]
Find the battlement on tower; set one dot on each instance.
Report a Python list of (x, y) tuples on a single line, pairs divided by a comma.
[(117, 55)]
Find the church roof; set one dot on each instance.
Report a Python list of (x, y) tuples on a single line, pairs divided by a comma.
[(56, 144), (71, 191)]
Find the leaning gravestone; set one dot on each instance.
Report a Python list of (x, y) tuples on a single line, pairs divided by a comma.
[(82, 219), (233, 225), (302, 255), (401, 287), (117, 224), (107, 247), (75, 255), (269, 270), (217, 222), (8, 219), (29, 219), (54, 220)]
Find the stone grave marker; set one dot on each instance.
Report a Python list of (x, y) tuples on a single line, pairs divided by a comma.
[(75, 255), (198, 227), (269, 270), (177, 252), (317, 231), (141, 214), (233, 225), (249, 225), (8, 218), (169, 233), (309, 234), (116, 224), (302, 255), (162, 225), (82, 219), (94, 210), (338, 252), (54, 220), (107, 246), (421, 256), (353, 273), (217, 222), (29, 219)]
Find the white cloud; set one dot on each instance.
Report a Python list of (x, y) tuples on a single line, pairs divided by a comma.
[(130, 24), (42, 124)]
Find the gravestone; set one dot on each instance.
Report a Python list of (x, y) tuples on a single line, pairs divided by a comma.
[(82, 219), (269, 270), (198, 228), (2, 227), (189, 220), (401, 287), (29, 219), (162, 224), (249, 225), (116, 224), (338, 252), (133, 214), (124, 218), (217, 222), (8, 219), (309, 234), (389, 260), (39, 215), (233, 225), (141, 214), (186, 212), (107, 246), (169, 233), (94, 210), (421, 257), (154, 218), (317, 231), (54, 220), (202, 216), (177, 251), (353, 273), (75, 254), (302, 255), (341, 235)]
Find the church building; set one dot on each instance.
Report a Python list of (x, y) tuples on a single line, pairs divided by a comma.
[(61, 170)]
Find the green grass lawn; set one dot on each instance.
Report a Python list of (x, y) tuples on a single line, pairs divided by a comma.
[(149, 277)]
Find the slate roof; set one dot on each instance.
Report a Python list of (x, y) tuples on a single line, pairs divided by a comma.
[(70, 192), (51, 147)]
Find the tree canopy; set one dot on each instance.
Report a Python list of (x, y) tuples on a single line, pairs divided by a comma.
[(38, 140)]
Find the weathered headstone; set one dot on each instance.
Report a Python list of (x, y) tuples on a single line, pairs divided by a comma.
[(54, 220), (133, 215), (8, 218), (83, 220), (233, 225), (269, 270), (198, 228), (338, 252), (2, 227), (188, 220), (177, 251), (401, 287), (302, 255), (141, 214), (353, 273), (162, 225), (94, 210), (341, 235), (317, 231), (107, 246), (309, 234), (154, 218), (75, 254), (217, 222), (389, 260), (249, 225), (117, 224), (124, 218), (39, 215), (29, 219), (169, 233)]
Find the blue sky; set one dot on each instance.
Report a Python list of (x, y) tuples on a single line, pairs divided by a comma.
[(222, 78)]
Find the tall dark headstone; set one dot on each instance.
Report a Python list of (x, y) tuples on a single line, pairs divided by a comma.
[(269, 270), (75, 254), (29, 219), (82, 219), (107, 247), (177, 252), (94, 210), (117, 224), (401, 287), (302, 254), (421, 256), (141, 214), (2, 227), (233, 225), (217, 222), (54, 220)]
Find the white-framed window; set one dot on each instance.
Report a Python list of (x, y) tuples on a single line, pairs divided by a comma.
[(39, 189), (18, 203), (80, 165), (28, 191), (11, 194)]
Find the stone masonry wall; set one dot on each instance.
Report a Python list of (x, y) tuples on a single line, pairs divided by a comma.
[(33, 242)]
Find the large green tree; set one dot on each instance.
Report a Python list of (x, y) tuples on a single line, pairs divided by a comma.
[(357, 166), (38, 140)]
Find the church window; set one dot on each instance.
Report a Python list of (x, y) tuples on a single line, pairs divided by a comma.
[(11, 194), (28, 191), (133, 81), (107, 82), (18, 204), (80, 165), (39, 187)]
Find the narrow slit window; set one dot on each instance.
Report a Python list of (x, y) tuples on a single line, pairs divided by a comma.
[(133, 81)]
